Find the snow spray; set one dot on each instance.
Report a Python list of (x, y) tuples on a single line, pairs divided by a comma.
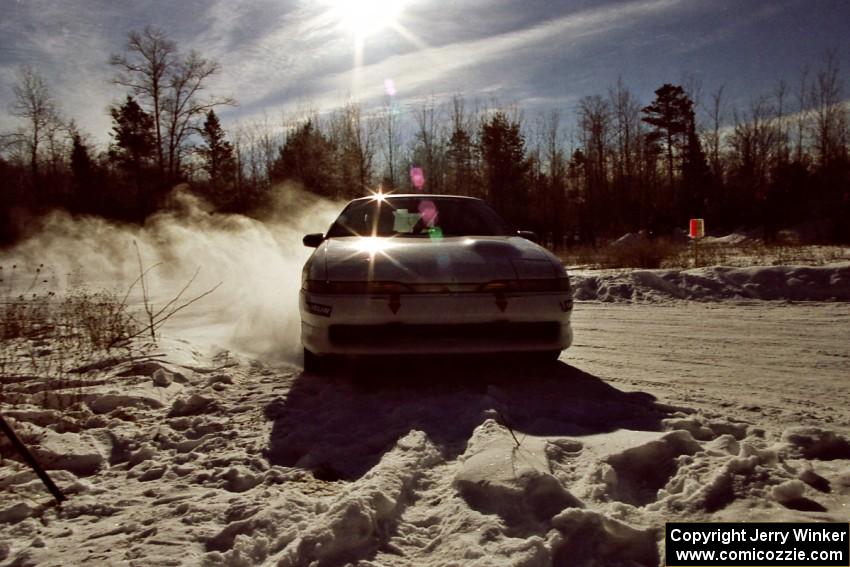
[(257, 262)]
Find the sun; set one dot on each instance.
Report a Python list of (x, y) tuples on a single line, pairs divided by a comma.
[(365, 17)]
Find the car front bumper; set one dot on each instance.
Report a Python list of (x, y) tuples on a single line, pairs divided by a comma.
[(435, 323)]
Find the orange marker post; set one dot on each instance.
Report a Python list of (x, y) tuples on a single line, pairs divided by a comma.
[(697, 231)]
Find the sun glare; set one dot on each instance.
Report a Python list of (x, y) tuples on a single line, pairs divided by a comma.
[(379, 195), (362, 19), (373, 244), (365, 17)]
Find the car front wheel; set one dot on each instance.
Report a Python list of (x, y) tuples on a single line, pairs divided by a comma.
[(316, 364), (312, 362), (547, 356)]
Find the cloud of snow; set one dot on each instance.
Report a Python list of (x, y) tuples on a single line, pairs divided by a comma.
[(257, 264)]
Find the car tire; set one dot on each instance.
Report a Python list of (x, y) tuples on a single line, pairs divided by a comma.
[(547, 356), (313, 363)]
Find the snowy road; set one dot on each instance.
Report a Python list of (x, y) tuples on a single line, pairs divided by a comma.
[(664, 412), (789, 363)]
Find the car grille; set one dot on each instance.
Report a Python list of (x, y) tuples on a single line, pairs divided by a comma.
[(395, 333)]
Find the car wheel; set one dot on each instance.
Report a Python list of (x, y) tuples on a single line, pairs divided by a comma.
[(547, 356), (313, 363)]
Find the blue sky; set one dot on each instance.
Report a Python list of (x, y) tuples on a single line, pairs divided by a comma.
[(542, 55)]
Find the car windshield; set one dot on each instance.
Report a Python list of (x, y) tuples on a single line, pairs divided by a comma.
[(425, 216)]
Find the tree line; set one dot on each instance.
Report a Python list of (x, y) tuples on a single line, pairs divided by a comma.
[(623, 165)]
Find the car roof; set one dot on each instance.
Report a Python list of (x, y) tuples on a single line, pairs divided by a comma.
[(415, 195)]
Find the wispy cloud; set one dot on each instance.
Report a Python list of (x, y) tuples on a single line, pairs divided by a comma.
[(482, 65), (486, 64), (67, 49), (732, 26), (279, 54)]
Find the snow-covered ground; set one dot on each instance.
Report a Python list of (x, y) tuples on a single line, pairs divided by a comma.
[(715, 393), (659, 412)]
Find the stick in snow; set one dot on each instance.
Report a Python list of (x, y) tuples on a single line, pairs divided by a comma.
[(28, 457)]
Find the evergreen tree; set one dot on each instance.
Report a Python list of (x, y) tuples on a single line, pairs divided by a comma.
[(217, 155), (132, 150), (696, 176), (307, 157), (132, 130), (9, 198), (672, 115), (84, 177), (81, 162), (460, 158), (505, 167)]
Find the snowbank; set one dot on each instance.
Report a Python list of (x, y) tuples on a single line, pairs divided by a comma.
[(783, 283)]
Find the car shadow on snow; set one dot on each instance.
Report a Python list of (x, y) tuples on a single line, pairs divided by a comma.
[(339, 425)]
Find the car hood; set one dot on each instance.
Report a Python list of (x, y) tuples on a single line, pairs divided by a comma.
[(425, 260)]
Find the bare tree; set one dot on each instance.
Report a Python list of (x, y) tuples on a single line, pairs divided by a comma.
[(35, 106), (803, 115), (594, 123), (829, 113), (461, 150), (553, 153), (145, 70), (355, 136), (269, 140), (430, 144), (155, 72), (627, 128), (713, 140), (693, 87), (556, 166), (780, 95), (57, 145), (182, 109), (238, 138), (250, 166), (391, 140), (754, 142)]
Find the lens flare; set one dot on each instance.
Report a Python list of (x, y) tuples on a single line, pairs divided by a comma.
[(428, 210), (389, 87), (376, 246), (417, 177), (379, 195), (373, 245)]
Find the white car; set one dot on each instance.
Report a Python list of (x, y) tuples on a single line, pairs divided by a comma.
[(430, 274)]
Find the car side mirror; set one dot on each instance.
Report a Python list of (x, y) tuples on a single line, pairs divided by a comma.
[(313, 240), (528, 235)]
